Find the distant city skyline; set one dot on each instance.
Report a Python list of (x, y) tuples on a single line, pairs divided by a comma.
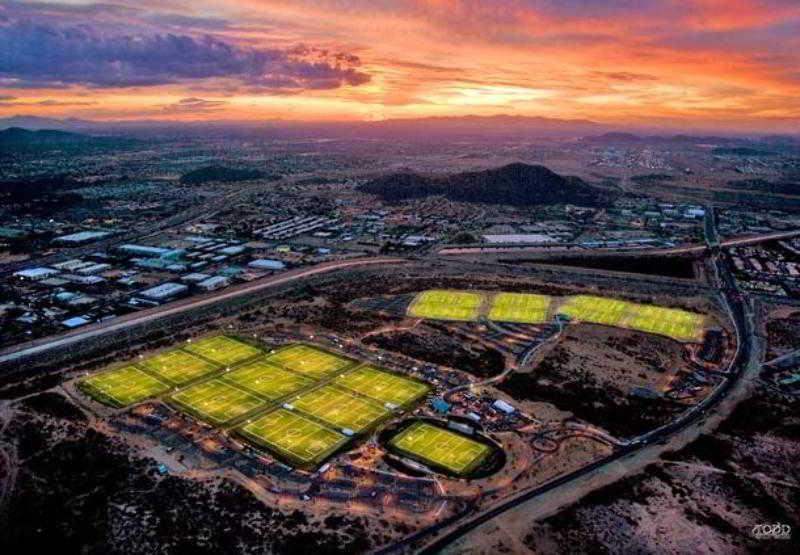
[(727, 64)]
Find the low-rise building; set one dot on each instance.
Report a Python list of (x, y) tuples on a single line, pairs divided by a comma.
[(214, 283), (503, 407), (267, 264), (35, 274), (75, 322), (164, 292), (194, 277), (81, 237)]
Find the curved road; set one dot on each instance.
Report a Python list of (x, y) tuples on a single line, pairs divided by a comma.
[(744, 360), (19, 353)]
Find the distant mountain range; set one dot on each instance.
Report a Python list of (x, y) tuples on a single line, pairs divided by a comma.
[(724, 145), (17, 139), (514, 184), (20, 136), (37, 122), (418, 128), (497, 127)]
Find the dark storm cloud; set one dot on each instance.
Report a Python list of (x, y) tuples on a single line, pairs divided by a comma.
[(38, 52)]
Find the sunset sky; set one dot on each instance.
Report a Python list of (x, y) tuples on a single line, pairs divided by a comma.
[(730, 63)]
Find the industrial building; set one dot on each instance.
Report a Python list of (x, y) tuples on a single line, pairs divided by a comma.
[(294, 226), (164, 292), (35, 274), (81, 237), (267, 264), (213, 283)]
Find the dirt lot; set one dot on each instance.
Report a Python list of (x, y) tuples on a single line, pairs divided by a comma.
[(434, 344), (591, 371)]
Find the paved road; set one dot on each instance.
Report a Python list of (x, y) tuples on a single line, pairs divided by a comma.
[(21, 352), (575, 248)]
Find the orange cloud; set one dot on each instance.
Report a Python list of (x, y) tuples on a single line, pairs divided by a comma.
[(614, 61)]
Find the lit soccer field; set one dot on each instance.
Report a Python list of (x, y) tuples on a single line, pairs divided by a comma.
[(267, 380), (294, 436), (244, 396), (123, 386), (382, 386), (439, 304), (307, 360), (523, 308), (217, 401), (439, 447), (598, 310), (179, 367), (222, 349), (339, 408), (672, 322)]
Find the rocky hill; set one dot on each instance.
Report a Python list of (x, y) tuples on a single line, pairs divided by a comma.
[(514, 184), (223, 174)]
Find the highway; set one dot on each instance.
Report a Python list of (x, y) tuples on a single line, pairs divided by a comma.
[(19, 353)]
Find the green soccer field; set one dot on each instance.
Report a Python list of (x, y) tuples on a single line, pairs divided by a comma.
[(522, 308), (598, 310), (671, 322), (337, 407), (225, 382), (294, 436), (222, 350), (217, 402), (179, 367), (383, 386), (441, 448), (439, 304), (123, 386), (267, 380), (310, 361)]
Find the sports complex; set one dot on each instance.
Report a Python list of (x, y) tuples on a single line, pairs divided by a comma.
[(302, 403), (530, 308)]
